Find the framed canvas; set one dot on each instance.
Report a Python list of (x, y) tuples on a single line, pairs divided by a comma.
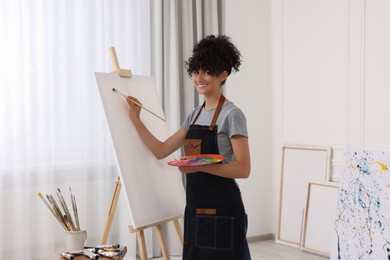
[(319, 218), (301, 164)]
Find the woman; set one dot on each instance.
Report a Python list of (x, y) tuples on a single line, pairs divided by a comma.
[(215, 221)]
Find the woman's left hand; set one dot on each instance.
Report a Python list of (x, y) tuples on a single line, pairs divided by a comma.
[(189, 169)]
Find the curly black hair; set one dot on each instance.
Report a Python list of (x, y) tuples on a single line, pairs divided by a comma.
[(215, 55)]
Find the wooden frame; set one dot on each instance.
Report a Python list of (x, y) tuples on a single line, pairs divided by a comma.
[(301, 164), (319, 220)]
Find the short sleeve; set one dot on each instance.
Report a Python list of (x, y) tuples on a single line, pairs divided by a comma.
[(237, 123), (187, 122)]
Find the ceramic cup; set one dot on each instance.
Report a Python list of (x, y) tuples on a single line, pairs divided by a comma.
[(74, 240)]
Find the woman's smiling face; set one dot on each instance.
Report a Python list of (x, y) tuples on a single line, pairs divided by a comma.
[(205, 83)]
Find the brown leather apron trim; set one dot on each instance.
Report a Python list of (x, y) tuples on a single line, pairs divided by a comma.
[(206, 211), (217, 111)]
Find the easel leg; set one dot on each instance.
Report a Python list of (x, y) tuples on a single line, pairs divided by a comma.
[(111, 212), (142, 245), (158, 226), (162, 242), (178, 231)]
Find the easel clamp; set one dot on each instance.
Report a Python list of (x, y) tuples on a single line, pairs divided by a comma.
[(115, 63)]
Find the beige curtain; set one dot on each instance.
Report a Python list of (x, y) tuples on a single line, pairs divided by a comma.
[(176, 26)]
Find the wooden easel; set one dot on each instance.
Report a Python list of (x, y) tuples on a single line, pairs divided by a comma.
[(158, 226), (140, 230), (114, 202)]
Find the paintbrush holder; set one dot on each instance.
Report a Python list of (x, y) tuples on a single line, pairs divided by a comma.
[(75, 240)]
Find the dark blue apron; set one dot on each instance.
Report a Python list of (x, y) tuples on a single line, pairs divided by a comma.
[(215, 221)]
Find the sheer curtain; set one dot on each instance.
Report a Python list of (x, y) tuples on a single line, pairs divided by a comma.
[(52, 127)]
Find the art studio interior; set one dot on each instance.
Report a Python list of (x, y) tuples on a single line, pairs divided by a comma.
[(77, 181)]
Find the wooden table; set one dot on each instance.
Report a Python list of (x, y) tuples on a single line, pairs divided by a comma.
[(56, 255)]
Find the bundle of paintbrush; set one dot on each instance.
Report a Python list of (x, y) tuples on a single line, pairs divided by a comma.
[(63, 217)]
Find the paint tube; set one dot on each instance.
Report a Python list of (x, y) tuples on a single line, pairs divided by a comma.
[(108, 254), (67, 256), (115, 246), (86, 252), (91, 255)]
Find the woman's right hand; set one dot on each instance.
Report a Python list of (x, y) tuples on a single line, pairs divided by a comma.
[(135, 108)]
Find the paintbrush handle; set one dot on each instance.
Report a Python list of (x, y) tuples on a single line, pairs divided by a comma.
[(57, 210), (65, 208), (75, 212), (140, 105), (74, 206), (52, 212)]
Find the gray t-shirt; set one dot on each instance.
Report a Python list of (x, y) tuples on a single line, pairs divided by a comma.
[(231, 121)]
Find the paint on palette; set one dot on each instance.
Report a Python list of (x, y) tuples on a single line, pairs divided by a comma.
[(362, 223)]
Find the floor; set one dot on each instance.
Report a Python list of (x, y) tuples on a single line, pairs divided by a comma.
[(269, 250)]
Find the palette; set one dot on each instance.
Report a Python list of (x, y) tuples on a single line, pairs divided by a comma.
[(197, 159)]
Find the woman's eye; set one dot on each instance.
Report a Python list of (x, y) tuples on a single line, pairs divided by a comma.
[(207, 72)]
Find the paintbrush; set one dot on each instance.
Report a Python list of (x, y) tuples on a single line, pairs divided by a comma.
[(138, 104), (57, 210), (76, 214), (53, 212), (65, 208)]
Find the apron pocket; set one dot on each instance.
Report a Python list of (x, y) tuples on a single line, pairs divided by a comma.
[(214, 232), (192, 146)]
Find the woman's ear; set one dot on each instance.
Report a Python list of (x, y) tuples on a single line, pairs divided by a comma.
[(223, 76)]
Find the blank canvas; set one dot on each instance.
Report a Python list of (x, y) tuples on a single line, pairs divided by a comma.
[(320, 215), (300, 165), (154, 190)]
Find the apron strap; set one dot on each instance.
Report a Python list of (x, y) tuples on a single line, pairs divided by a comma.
[(217, 111), (197, 115)]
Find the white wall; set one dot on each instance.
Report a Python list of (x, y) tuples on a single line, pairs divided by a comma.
[(248, 24), (321, 77)]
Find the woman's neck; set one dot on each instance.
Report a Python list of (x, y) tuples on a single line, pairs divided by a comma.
[(212, 101)]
